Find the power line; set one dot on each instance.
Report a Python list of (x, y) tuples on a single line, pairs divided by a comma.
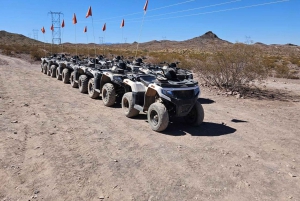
[(218, 11), (149, 10), (204, 13), (209, 6)]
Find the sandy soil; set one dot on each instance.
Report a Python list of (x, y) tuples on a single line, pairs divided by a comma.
[(58, 144)]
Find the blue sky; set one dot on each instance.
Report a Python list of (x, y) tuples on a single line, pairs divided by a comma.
[(232, 20)]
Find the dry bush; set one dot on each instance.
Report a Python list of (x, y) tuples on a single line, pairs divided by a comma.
[(232, 68), (36, 55)]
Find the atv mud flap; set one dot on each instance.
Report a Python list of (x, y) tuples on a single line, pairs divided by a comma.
[(76, 74), (97, 80)]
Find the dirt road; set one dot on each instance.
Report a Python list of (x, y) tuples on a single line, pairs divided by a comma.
[(58, 144)]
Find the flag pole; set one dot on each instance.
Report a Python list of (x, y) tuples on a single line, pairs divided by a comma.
[(62, 45), (138, 42), (94, 37), (44, 44), (145, 11), (122, 39), (103, 44), (87, 42), (76, 42), (62, 35)]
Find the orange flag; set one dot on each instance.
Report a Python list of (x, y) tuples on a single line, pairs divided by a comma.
[(123, 23), (104, 27), (146, 6), (89, 13), (43, 30), (85, 29), (63, 24), (52, 28), (74, 19)]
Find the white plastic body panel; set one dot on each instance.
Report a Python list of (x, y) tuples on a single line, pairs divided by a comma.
[(135, 86)]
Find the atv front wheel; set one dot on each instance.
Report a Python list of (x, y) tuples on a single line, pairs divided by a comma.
[(58, 75), (127, 105), (72, 80), (48, 71), (42, 68), (158, 116), (83, 84), (196, 115), (108, 94), (65, 76), (91, 89), (53, 71), (45, 68)]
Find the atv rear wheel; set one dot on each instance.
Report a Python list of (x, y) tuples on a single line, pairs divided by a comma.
[(108, 94), (42, 68), (58, 75), (66, 76), (53, 71), (83, 84), (158, 116), (72, 80), (196, 115), (127, 105), (48, 70), (91, 89)]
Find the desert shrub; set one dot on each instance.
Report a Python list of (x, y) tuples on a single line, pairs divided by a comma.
[(233, 67), (295, 60), (36, 55)]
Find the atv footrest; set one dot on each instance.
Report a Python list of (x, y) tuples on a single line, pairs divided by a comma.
[(97, 90), (138, 107)]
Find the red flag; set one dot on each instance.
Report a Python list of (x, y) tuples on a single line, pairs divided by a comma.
[(89, 13), (123, 23), (63, 24), (43, 30), (146, 6), (74, 19), (104, 27), (52, 28), (85, 29)]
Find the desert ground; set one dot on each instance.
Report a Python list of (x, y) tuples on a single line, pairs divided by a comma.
[(58, 144)]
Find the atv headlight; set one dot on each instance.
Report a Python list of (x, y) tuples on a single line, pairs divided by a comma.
[(190, 76), (196, 91), (167, 93)]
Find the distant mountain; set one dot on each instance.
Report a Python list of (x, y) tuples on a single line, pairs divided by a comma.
[(207, 41), (12, 38)]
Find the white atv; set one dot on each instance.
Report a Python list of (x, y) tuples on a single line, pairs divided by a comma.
[(162, 97)]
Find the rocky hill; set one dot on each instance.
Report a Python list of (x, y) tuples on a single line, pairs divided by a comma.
[(7, 38)]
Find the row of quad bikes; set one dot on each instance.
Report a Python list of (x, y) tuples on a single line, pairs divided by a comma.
[(161, 92)]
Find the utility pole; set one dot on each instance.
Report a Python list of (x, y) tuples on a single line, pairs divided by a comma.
[(35, 34), (163, 39), (56, 33), (101, 40), (125, 40)]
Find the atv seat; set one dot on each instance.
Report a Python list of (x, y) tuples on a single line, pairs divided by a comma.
[(147, 79)]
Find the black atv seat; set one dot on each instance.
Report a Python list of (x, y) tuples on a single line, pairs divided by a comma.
[(147, 79)]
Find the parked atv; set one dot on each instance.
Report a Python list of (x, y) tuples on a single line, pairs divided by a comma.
[(162, 95), (87, 76), (50, 63), (111, 85), (65, 68)]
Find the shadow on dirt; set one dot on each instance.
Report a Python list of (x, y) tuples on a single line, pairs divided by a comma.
[(205, 129), (238, 121), (205, 101)]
